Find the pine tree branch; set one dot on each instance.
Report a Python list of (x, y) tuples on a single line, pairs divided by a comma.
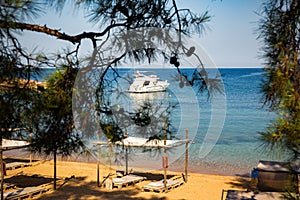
[(57, 33)]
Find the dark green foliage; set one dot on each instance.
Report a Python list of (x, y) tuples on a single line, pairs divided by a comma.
[(54, 128), (279, 29), (48, 110), (16, 95)]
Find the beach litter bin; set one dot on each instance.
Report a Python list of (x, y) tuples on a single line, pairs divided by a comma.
[(276, 176), (254, 175)]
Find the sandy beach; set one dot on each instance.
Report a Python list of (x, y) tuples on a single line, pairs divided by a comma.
[(83, 184)]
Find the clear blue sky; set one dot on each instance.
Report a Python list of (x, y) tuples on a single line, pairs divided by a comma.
[(230, 40)]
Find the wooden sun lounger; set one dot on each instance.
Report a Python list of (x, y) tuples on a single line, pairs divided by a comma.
[(250, 195), (127, 180), (27, 192), (158, 186), (15, 165)]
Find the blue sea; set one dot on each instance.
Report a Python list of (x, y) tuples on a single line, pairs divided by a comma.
[(224, 129), (239, 147)]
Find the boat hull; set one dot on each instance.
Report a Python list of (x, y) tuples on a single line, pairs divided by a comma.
[(147, 91)]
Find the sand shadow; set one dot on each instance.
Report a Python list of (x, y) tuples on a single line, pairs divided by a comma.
[(80, 188), (75, 189), (244, 182), (23, 181)]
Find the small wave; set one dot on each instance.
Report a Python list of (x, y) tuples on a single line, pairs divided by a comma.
[(252, 74)]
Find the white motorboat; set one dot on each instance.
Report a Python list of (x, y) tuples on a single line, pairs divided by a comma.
[(147, 83)]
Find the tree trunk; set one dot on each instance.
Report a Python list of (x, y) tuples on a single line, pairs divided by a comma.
[(1, 166), (54, 165)]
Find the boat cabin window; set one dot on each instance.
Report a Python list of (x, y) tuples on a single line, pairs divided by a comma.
[(146, 83)]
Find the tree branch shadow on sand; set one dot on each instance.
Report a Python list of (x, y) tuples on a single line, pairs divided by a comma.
[(22, 180), (243, 182), (77, 189)]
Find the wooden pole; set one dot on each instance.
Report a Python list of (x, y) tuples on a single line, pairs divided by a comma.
[(54, 168), (186, 154), (30, 148), (98, 163), (2, 171), (98, 172), (165, 156), (126, 158), (1, 166)]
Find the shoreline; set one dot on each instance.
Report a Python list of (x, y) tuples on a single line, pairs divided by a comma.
[(176, 166)]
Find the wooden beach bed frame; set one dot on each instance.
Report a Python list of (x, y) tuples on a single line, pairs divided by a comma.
[(127, 180), (158, 186), (244, 195), (27, 192), (15, 165), (146, 143)]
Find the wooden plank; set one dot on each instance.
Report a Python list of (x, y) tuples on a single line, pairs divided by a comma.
[(159, 186), (15, 165), (27, 192), (243, 195), (127, 180)]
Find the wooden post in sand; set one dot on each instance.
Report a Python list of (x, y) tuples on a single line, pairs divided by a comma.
[(98, 162), (165, 157), (30, 148), (1, 166), (2, 171), (126, 160), (98, 173), (186, 155)]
